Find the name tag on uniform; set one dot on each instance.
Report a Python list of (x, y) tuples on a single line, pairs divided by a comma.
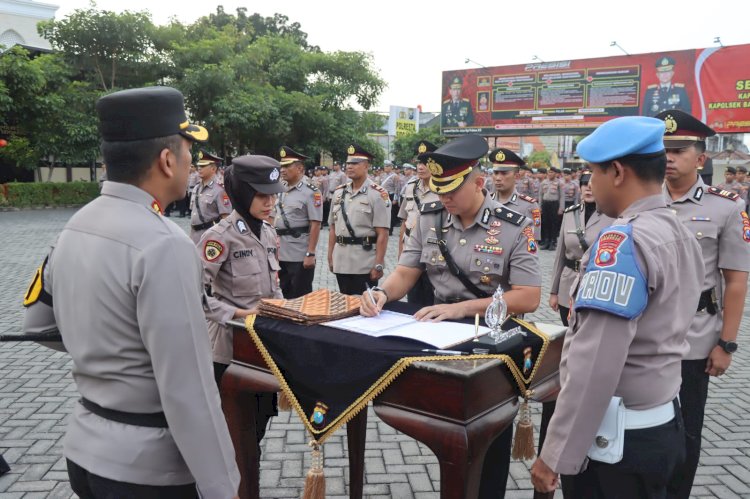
[(432, 240)]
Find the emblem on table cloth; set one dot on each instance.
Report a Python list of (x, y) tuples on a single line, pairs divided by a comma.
[(318, 417), (745, 227), (528, 363), (606, 254)]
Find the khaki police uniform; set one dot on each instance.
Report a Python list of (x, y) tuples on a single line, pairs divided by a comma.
[(416, 194), (366, 209), (336, 179), (241, 269), (137, 345), (551, 196), (296, 208), (207, 205), (526, 205), (571, 193), (576, 236), (626, 340), (498, 249)]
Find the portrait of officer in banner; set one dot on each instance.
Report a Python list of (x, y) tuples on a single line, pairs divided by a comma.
[(666, 94), (457, 111)]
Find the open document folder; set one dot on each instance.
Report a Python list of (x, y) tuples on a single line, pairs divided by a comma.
[(440, 335)]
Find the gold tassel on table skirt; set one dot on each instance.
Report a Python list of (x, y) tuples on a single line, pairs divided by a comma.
[(523, 441), (284, 404), (315, 482)]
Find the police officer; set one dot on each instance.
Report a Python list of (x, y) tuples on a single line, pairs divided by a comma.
[(715, 218), (208, 203), (240, 262), (620, 367), (389, 181), (570, 188), (730, 181), (299, 212), (359, 222), (665, 95), (457, 111), (580, 227), (505, 165), (149, 421), (468, 245), (525, 183), (550, 192), (416, 194), (744, 183)]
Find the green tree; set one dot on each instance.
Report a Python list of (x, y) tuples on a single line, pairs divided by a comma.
[(404, 146), (541, 158)]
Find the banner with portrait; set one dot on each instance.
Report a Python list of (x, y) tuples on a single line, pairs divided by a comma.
[(575, 96)]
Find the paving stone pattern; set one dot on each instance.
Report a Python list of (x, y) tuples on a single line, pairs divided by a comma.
[(37, 393)]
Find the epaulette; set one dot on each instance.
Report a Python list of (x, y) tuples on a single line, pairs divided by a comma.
[(732, 196), (652, 86), (509, 215), (446, 101), (434, 206), (681, 85), (312, 186), (526, 198), (573, 208)]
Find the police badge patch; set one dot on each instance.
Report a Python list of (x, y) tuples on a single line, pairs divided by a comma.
[(745, 228), (212, 250), (225, 199), (318, 417), (317, 199)]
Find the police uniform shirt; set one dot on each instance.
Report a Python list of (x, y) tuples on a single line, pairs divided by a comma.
[(569, 247), (455, 112), (660, 98), (498, 249), (527, 206), (193, 180), (551, 190), (209, 202), (390, 183), (241, 270), (416, 194), (571, 192), (324, 186), (367, 208), (526, 186), (335, 179), (302, 204), (627, 341), (721, 227), (732, 186), (127, 295)]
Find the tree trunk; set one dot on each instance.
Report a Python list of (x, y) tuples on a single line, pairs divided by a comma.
[(51, 169)]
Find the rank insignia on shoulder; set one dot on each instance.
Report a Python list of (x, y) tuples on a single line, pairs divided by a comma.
[(156, 207), (511, 216), (431, 207), (212, 250), (526, 198), (723, 193), (36, 291), (613, 281), (241, 227)]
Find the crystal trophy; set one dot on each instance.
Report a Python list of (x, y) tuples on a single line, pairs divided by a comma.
[(495, 316)]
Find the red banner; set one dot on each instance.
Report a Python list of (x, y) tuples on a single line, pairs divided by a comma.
[(574, 97)]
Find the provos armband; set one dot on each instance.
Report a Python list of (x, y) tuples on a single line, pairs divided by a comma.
[(613, 281), (36, 291)]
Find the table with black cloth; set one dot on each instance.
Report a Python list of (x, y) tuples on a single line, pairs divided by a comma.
[(455, 406)]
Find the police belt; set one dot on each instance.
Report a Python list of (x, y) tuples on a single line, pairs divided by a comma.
[(574, 265), (150, 420), (294, 231), (708, 301), (206, 225), (367, 240)]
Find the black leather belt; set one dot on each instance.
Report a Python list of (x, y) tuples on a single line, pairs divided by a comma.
[(150, 420), (205, 226), (356, 240), (574, 265), (708, 301), (293, 231)]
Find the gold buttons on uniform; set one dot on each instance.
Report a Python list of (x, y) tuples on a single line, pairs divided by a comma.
[(479, 262), (486, 269), (699, 234), (433, 259), (462, 242), (441, 258), (485, 279)]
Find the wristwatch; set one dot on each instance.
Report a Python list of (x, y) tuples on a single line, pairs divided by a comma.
[(378, 288), (379, 267), (309, 254), (729, 346)]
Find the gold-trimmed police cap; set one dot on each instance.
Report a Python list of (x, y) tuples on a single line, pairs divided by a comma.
[(145, 113), (456, 82), (664, 63), (683, 129), (504, 160), (287, 156), (424, 146), (205, 158), (357, 154), (450, 164)]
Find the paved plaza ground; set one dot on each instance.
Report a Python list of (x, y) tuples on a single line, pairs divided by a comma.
[(37, 393)]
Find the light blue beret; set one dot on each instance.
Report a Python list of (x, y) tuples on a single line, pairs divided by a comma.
[(621, 137)]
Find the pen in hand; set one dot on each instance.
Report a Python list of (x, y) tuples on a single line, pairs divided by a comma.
[(372, 299)]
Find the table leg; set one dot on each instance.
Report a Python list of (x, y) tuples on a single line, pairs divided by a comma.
[(356, 435), (459, 448)]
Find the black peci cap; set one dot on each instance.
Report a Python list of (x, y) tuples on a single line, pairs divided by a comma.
[(261, 172)]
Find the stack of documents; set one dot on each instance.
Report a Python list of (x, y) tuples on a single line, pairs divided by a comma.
[(319, 306)]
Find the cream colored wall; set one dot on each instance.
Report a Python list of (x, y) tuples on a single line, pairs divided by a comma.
[(58, 175), (24, 26)]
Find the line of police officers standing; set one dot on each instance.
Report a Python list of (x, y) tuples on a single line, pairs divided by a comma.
[(646, 280)]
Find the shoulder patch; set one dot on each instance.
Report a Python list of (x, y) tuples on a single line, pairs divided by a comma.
[(317, 199), (573, 208), (509, 215), (613, 281), (745, 227), (434, 206), (723, 193), (212, 250), (36, 291), (526, 198), (225, 199)]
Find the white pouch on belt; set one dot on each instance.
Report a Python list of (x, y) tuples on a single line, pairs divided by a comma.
[(610, 438)]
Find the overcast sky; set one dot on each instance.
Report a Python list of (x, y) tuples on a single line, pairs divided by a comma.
[(412, 42)]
